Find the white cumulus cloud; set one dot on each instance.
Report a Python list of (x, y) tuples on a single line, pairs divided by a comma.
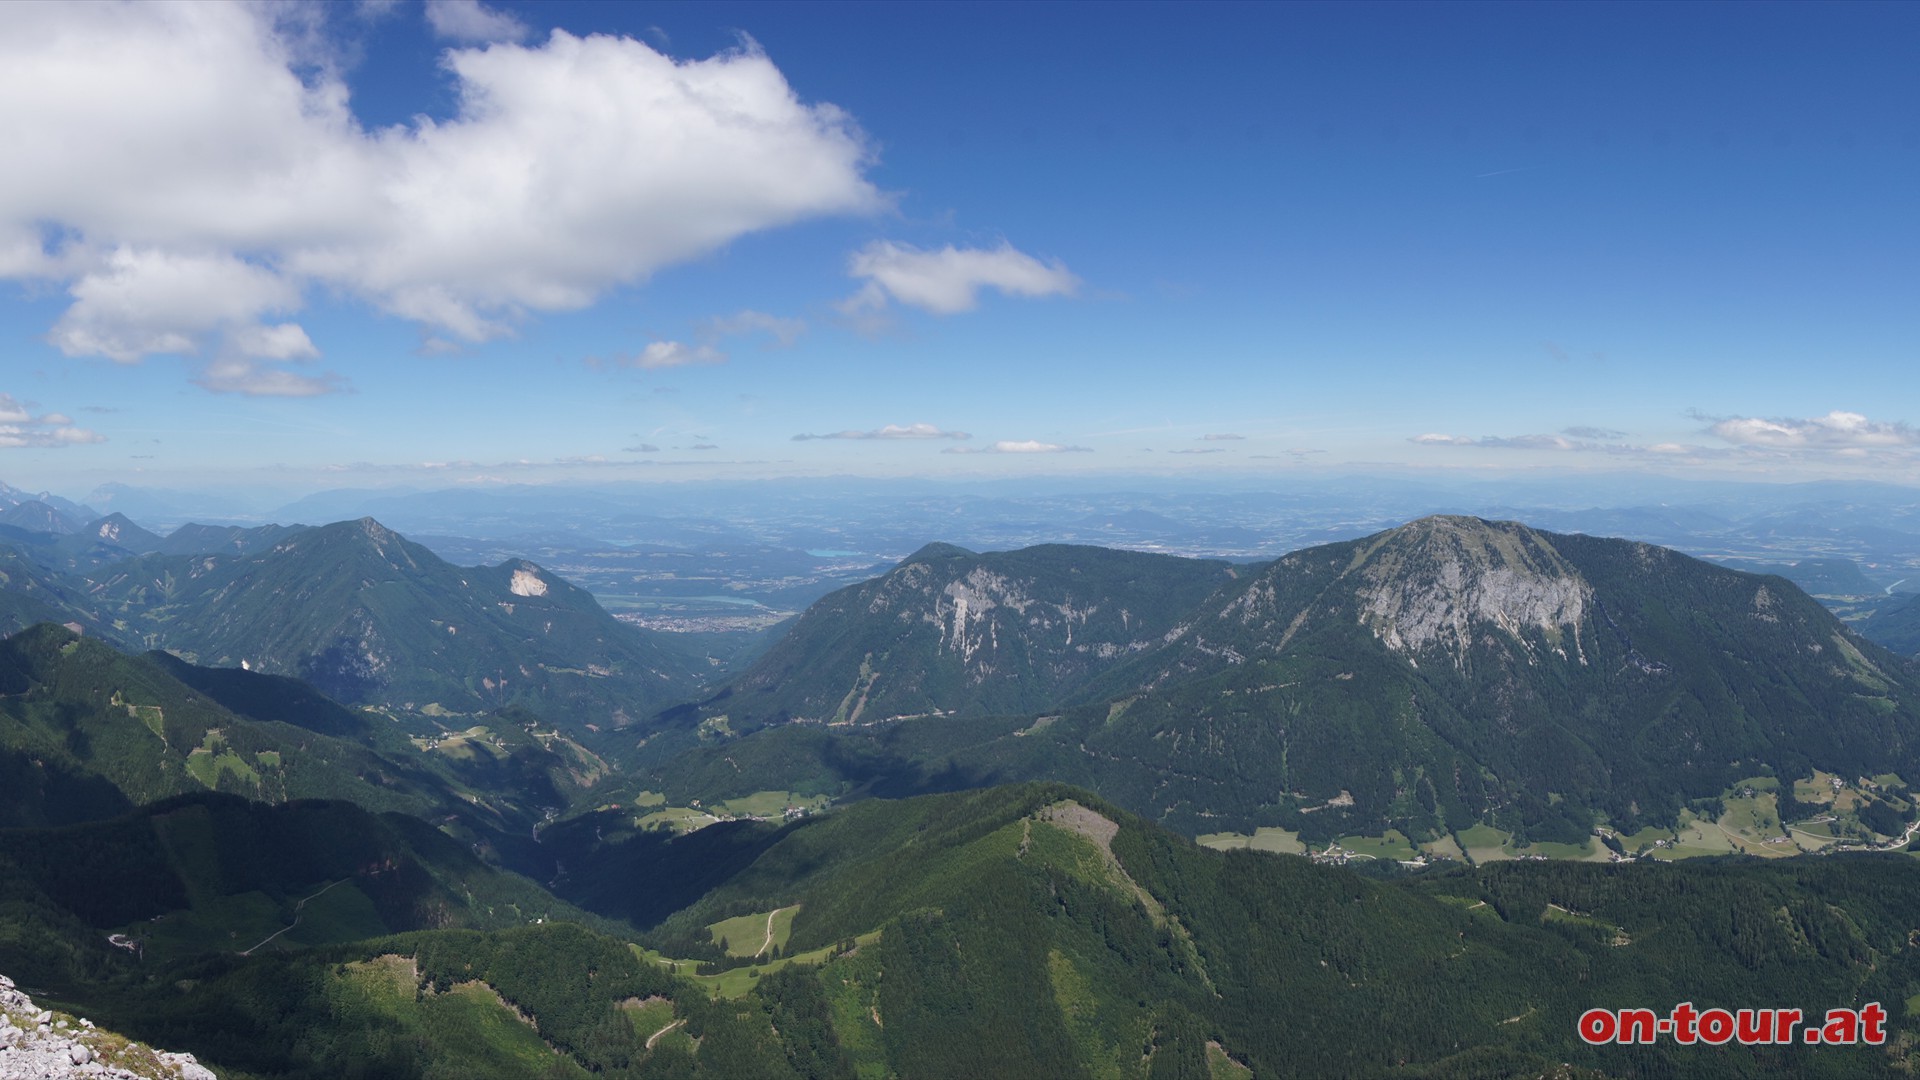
[(138, 301), (948, 281), (183, 172)]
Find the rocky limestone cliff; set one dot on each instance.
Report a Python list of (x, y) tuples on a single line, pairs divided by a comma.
[(1430, 591), (953, 631), (1435, 582), (39, 1044), (970, 611)]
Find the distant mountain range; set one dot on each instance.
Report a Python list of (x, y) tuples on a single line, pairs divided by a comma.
[(42, 507), (68, 546), (358, 611), (1443, 673), (286, 838)]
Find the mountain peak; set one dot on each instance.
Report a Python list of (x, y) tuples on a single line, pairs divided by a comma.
[(938, 550), (1433, 582), (363, 544), (36, 516), (365, 528), (119, 529)]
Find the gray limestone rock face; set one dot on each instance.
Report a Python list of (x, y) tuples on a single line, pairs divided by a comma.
[(36, 1045)]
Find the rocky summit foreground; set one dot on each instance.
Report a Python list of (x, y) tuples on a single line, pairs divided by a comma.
[(38, 1044)]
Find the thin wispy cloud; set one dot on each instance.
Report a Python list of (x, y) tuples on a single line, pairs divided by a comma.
[(1021, 446), (889, 433), (1502, 442), (949, 281), (22, 428), (1129, 431), (1836, 430), (784, 332), (254, 360), (1569, 438), (470, 22), (248, 377), (1561, 444), (1223, 437), (1839, 438), (479, 471), (672, 354)]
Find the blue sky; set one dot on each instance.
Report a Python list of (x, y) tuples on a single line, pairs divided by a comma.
[(304, 247)]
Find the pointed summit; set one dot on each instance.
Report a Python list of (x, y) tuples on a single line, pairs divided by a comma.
[(119, 530), (36, 516)]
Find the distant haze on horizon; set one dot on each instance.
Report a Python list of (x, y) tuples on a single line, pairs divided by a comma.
[(279, 250)]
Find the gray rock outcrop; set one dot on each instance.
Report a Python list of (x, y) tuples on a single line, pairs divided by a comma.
[(39, 1044)]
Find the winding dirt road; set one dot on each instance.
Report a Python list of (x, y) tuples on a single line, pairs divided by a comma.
[(296, 917)]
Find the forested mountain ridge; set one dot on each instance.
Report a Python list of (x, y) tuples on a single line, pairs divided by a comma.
[(196, 539), (210, 873), (1038, 930), (30, 593), (1526, 662), (36, 516), (951, 631), (1896, 624), (1017, 931), (370, 617), (87, 733), (1444, 673)]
